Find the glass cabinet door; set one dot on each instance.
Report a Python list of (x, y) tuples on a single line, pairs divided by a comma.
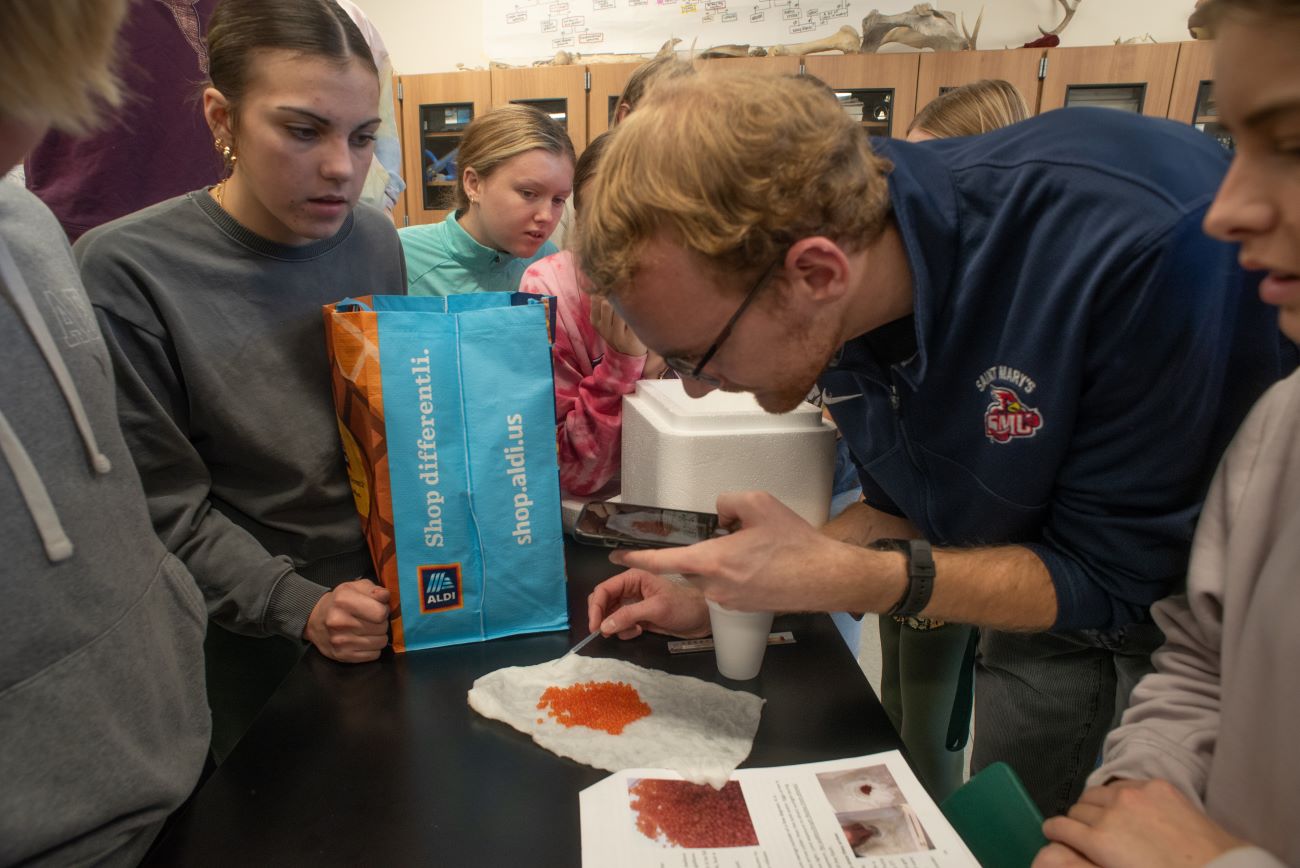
[(876, 90), (441, 127), (872, 107), (1206, 118), (1125, 97), (557, 108), (436, 109)]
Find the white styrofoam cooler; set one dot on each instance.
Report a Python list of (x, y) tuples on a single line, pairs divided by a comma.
[(681, 452)]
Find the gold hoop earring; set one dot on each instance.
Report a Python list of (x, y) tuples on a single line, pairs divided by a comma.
[(228, 155), (228, 158)]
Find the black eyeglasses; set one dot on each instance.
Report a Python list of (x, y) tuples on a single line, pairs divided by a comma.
[(696, 371)]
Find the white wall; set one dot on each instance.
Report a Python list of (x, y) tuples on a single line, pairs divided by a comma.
[(1011, 23), (435, 35), (429, 35)]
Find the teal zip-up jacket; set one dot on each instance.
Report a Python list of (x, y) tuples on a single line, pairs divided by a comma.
[(442, 259)]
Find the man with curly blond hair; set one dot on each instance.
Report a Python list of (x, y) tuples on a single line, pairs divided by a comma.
[(1035, 356)]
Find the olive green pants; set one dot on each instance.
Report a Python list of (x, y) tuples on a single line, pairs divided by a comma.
[(918, 688)]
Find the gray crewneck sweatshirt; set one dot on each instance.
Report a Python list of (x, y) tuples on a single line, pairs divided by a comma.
[(223, 391), (1218, 716), (103, 720)]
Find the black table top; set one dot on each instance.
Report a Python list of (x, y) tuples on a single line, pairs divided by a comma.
[(386, 764)]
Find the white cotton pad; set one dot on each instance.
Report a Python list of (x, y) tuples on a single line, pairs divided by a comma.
[(700, 730)]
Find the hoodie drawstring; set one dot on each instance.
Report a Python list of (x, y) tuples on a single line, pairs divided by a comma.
[(57, 544), (22, 299)]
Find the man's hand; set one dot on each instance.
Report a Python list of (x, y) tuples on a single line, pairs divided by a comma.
[(774, 561), (610, 326), (1142, 824), (350, 623), (634, 601)]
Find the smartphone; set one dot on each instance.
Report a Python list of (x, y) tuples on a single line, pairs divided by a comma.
[(626, 525)]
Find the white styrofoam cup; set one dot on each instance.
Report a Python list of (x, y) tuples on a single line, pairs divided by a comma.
[(739, 640)]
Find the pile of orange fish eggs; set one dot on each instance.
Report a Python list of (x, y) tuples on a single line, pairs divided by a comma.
[(603, 705)]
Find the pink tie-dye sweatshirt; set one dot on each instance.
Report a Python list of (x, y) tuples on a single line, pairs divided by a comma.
[(590, 379)]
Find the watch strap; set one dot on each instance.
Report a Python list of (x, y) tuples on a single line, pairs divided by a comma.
[(920, 574)]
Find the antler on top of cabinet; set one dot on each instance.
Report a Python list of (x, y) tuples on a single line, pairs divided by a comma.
[(1070, 9)]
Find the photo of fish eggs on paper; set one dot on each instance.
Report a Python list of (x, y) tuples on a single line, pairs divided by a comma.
[(612, 715)]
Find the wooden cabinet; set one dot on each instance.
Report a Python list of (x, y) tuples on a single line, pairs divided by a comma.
[(1170, 79), (607, 83), (1192, 100), (1195, 68), (1137, 78), (943, 70), (435, 111), (882, 85), (773, 65), (560, 91)]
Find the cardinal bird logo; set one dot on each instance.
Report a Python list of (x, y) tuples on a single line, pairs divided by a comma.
[(1007, 417)]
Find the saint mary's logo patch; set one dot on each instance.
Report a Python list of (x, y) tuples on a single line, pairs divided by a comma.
[(1007, 416)]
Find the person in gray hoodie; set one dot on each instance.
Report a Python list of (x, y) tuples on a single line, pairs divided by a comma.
[(1198, 771), (103, 721)]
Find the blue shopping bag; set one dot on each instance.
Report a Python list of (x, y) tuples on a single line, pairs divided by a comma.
[(446, 409)]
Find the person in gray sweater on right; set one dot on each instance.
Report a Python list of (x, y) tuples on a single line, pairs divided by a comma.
[(1197, 773)]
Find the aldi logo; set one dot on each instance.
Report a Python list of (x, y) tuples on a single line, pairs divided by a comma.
[(439, 588)]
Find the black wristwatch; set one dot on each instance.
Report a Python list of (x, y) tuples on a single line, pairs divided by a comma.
[(920, 574)]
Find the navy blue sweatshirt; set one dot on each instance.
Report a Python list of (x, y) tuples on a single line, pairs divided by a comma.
[(1082, 352)]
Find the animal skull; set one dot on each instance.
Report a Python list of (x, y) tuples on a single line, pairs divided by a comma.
[(922, 26)]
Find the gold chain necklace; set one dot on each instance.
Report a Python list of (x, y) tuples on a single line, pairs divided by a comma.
[(219, 192)]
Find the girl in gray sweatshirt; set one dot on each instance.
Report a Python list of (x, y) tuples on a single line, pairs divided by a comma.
[(1204, 768), (211, 308)]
